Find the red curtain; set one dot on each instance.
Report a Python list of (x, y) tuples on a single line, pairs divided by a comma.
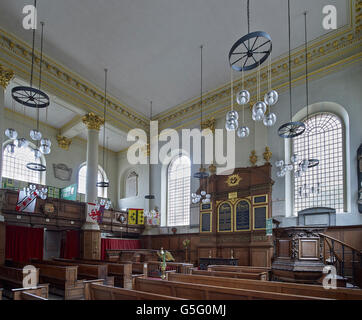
[(125, 244), (23, 243), (70, 247)]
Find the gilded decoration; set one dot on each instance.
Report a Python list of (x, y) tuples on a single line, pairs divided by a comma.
[(63, 142), (212, 169), (253, 158), (92, 121), (267, 154), (5, 76), (209, 124), (233, 180)]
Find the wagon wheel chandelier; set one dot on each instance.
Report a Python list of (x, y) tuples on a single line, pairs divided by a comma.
[(251, 50), (29, 96), (290, 129), (248, 53), (103, 183)]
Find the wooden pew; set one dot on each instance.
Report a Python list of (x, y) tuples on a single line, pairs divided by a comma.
[(122, 272), (12, 280), (179, 267), (240, 269), (271, 286), (28, 294), (63, 279), (102, 292), (85, 271), (238, 275), (207, 292)]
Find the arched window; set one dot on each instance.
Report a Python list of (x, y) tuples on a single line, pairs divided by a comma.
[(131, 184), (14, 164), (82, 179), (323, 185), (178, 191)]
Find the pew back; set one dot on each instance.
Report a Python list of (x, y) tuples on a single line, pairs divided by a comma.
[(207, 292), (102, 292), (238, 275), (240, 269), (271, 286)]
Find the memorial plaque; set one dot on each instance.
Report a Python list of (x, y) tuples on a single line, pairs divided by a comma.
[(260, 214), (205, 206), (242, 216), (206, 222), (224, 217)]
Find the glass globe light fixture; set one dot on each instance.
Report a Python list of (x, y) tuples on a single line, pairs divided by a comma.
[(243, 132), (35, 135), (289, 167), (44, 149), (259, 108), (10, 148), (193, 195), (257, 117), (270, 119), (37, 153), (304, 165), (297, 174), (208, 196), (231, 125), (279, 163), (280, 174), (271, 98), (46, 142), (232, 115), (294, 158), (203, 193), (11, 133), (243, 97), (21, 143)]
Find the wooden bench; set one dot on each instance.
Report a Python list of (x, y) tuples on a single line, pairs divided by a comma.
[(179, 267), (207, 292), (240, 269), (85, 271), (102, 292), (238, 275), (11, 279), (28, 294), (122, 272), (63, 279), (271, 286)]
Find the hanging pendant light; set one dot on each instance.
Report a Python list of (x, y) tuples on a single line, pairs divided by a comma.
[(103, 183), (201, 174), (290, 129), (204, 197), (35, 134), (27, 95), (232, 116), (250, 51), (242, 99), (149, 196)]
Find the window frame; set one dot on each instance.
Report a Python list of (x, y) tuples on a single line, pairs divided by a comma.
[(167, 191), (101, 171), (42, 174), (344, 159)]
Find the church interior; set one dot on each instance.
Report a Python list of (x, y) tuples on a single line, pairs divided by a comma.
[(181, 150)]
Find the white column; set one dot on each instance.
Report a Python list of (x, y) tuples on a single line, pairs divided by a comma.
[(5, 76), (93, 123)]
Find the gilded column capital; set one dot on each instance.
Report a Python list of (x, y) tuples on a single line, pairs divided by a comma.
[(5, 76), (63, 142), (92, 121)]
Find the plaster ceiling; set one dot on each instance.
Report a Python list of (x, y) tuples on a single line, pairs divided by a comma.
[(151, 47)]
